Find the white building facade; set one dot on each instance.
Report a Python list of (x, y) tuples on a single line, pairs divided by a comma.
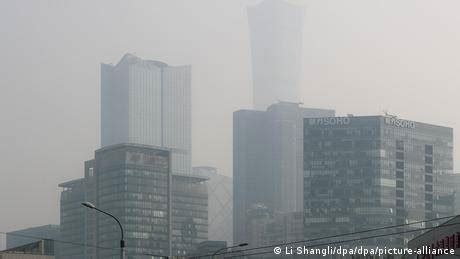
[(148, 102)]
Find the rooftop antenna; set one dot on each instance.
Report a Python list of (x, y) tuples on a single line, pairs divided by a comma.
[(388, 114)]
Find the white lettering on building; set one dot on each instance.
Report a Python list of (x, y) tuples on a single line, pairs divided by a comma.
[(329, 121), (400, 123)]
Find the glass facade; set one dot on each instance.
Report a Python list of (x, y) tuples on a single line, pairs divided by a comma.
[(268, 162), (17, 238), (189, 213), (148, 102), (133, 183), (72, 220), (162, 213), (373, 171)]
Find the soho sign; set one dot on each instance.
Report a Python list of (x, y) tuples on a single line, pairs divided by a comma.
[(400, 123), (329, 121)]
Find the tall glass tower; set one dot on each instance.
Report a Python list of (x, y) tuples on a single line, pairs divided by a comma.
[(268, 164), (276, 48), (148, 102)]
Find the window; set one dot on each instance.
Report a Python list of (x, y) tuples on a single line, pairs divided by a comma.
[(399, 145), (428, 187), (428, 196), (429, 149), (428, 169), (428, 159), (429, 178), (399, 165), (428, 206)]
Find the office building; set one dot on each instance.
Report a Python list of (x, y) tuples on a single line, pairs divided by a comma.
[(268, 161), (133, 182), (189, 213), (72, 220), (148, 102), (29, 235), (275, 28), (372, 171), (220, 203), (162, 214)]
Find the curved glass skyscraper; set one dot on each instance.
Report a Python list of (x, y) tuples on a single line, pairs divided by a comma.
[(276, 51)]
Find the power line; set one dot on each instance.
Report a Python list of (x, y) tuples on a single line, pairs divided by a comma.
[(338, 235), (351, 240), (269, 246)]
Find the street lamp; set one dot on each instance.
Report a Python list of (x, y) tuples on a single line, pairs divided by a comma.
[(122, 241), (225, 248)]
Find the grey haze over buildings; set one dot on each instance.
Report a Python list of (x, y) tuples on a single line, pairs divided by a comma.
[(358, 57)]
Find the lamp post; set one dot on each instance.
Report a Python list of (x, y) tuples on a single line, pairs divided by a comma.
[(122, 241), (226, 248)]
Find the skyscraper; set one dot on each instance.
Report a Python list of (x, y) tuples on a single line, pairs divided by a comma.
[(268, 161), (162, 214), (148, 102), (276, 51), (134, 184), (366, 172)]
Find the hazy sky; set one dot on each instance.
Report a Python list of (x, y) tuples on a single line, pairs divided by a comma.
[(360, 57)]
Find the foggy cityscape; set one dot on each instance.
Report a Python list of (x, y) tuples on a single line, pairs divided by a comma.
[(228, 129)]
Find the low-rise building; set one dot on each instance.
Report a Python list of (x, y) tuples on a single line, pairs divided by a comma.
[(29, 235), (42, 249), (444, 236)]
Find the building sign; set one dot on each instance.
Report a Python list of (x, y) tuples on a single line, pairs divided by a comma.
[(329, 121), (399, 123), (147, 159)]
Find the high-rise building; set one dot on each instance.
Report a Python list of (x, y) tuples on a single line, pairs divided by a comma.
[(133, 182), (268, 161), (148, 102), (162, 214), (220, 203), (276, 51), (372, 171)]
